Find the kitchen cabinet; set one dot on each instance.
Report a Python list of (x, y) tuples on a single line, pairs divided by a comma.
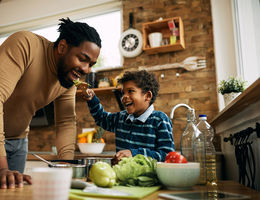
[(162, 27)]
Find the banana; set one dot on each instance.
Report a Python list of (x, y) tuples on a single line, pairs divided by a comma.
[(90, 137), (85, 134)]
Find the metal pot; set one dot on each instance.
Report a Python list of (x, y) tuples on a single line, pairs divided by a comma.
[(87, 162), (79, 171)]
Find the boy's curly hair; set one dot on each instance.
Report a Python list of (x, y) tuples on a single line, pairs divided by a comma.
[(144, 80)]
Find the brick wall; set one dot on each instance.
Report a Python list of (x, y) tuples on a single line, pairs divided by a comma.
[(197, 88)]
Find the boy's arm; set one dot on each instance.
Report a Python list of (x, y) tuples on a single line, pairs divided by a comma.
[(104, 119)]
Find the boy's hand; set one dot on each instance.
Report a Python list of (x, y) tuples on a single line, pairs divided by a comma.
[(121, 154), (88, 94)]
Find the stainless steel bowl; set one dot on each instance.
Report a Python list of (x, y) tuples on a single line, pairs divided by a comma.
[(92, 160), (79, 171)]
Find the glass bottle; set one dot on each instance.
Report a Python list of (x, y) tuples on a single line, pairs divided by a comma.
[(193, 145), (208, 132)]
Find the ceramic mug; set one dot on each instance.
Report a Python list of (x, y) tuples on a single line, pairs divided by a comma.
[(155, 39)]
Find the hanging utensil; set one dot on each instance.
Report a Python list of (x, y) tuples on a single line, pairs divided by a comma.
[(42, 159), (190, 64)]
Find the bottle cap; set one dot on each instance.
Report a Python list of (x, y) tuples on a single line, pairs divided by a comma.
[(202, 116)]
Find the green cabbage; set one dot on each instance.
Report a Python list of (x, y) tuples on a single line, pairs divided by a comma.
[(136, 171)]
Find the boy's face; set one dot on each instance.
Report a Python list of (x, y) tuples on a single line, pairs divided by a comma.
[(75, 61), (135, 101)]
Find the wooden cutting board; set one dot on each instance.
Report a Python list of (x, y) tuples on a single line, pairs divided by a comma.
[(134, 193)]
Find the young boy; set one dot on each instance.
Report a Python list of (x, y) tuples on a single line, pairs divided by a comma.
[(139, 129)]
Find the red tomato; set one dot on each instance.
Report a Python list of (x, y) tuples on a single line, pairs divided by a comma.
[(175, 157)]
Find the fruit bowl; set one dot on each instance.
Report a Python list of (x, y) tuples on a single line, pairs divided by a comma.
[(178, 176), (95, 148)]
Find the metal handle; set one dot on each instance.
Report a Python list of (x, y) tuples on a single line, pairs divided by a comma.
[(42, 159)]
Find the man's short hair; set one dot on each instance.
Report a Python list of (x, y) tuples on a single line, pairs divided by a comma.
[(77, 32)]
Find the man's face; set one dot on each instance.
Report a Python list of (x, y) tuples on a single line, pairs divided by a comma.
[(76, 61)]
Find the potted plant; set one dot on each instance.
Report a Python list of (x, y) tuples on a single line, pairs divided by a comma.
[(231, 88)]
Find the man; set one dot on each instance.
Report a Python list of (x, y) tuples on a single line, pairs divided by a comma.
[(33, 73)]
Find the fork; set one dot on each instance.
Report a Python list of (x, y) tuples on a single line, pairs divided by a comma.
[(190, 64)]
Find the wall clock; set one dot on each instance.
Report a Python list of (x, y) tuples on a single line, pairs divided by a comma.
[(131, 41)]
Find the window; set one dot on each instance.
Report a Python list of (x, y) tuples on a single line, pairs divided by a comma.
[(109, 28), (246, 16)]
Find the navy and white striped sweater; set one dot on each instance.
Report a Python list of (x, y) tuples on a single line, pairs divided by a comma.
[(151, 138)]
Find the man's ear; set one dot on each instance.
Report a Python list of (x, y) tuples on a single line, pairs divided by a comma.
[(148, 96), (62, 47)]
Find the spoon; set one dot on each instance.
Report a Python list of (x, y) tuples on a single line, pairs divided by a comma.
[(46, 161)]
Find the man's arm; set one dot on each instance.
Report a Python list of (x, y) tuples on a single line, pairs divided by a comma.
[(65, 119), (13, 61)]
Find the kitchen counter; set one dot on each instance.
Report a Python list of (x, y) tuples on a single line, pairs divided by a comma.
[(25, 193), (52, 156)]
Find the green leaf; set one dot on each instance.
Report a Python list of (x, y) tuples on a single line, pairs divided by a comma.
[(231, 85), (137, 171)]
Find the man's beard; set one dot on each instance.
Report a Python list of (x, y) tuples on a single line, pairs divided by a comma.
[(62, 75)]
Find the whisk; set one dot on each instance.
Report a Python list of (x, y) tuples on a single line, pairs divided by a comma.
[(190, 64)]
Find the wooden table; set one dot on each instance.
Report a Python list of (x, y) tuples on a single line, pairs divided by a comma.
[(25, 193)]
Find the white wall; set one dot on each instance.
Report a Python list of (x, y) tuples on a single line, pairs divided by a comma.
[(247, 16), (236, 31), (224, 44)]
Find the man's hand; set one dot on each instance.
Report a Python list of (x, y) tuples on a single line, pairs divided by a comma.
[(121, 154), (9, 179)]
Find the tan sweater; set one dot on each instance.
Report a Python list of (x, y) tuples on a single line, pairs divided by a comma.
[(28, 82)]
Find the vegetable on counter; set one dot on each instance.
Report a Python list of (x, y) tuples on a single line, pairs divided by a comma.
[(175, 157), (86, 137), (93, 136), (137, 171), (102, 174)]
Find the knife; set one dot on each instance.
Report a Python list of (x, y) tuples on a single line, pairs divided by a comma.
[(91, 188)]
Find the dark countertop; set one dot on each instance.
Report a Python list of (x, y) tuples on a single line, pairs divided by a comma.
[(51, 156)]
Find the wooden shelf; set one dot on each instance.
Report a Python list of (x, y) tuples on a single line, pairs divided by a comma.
[(162, 26), (105, 90)]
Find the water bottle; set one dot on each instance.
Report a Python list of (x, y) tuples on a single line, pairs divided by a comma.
[(208, 132), (193, 145)]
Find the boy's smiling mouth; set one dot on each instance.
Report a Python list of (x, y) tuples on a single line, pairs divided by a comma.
[(128, 104)]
